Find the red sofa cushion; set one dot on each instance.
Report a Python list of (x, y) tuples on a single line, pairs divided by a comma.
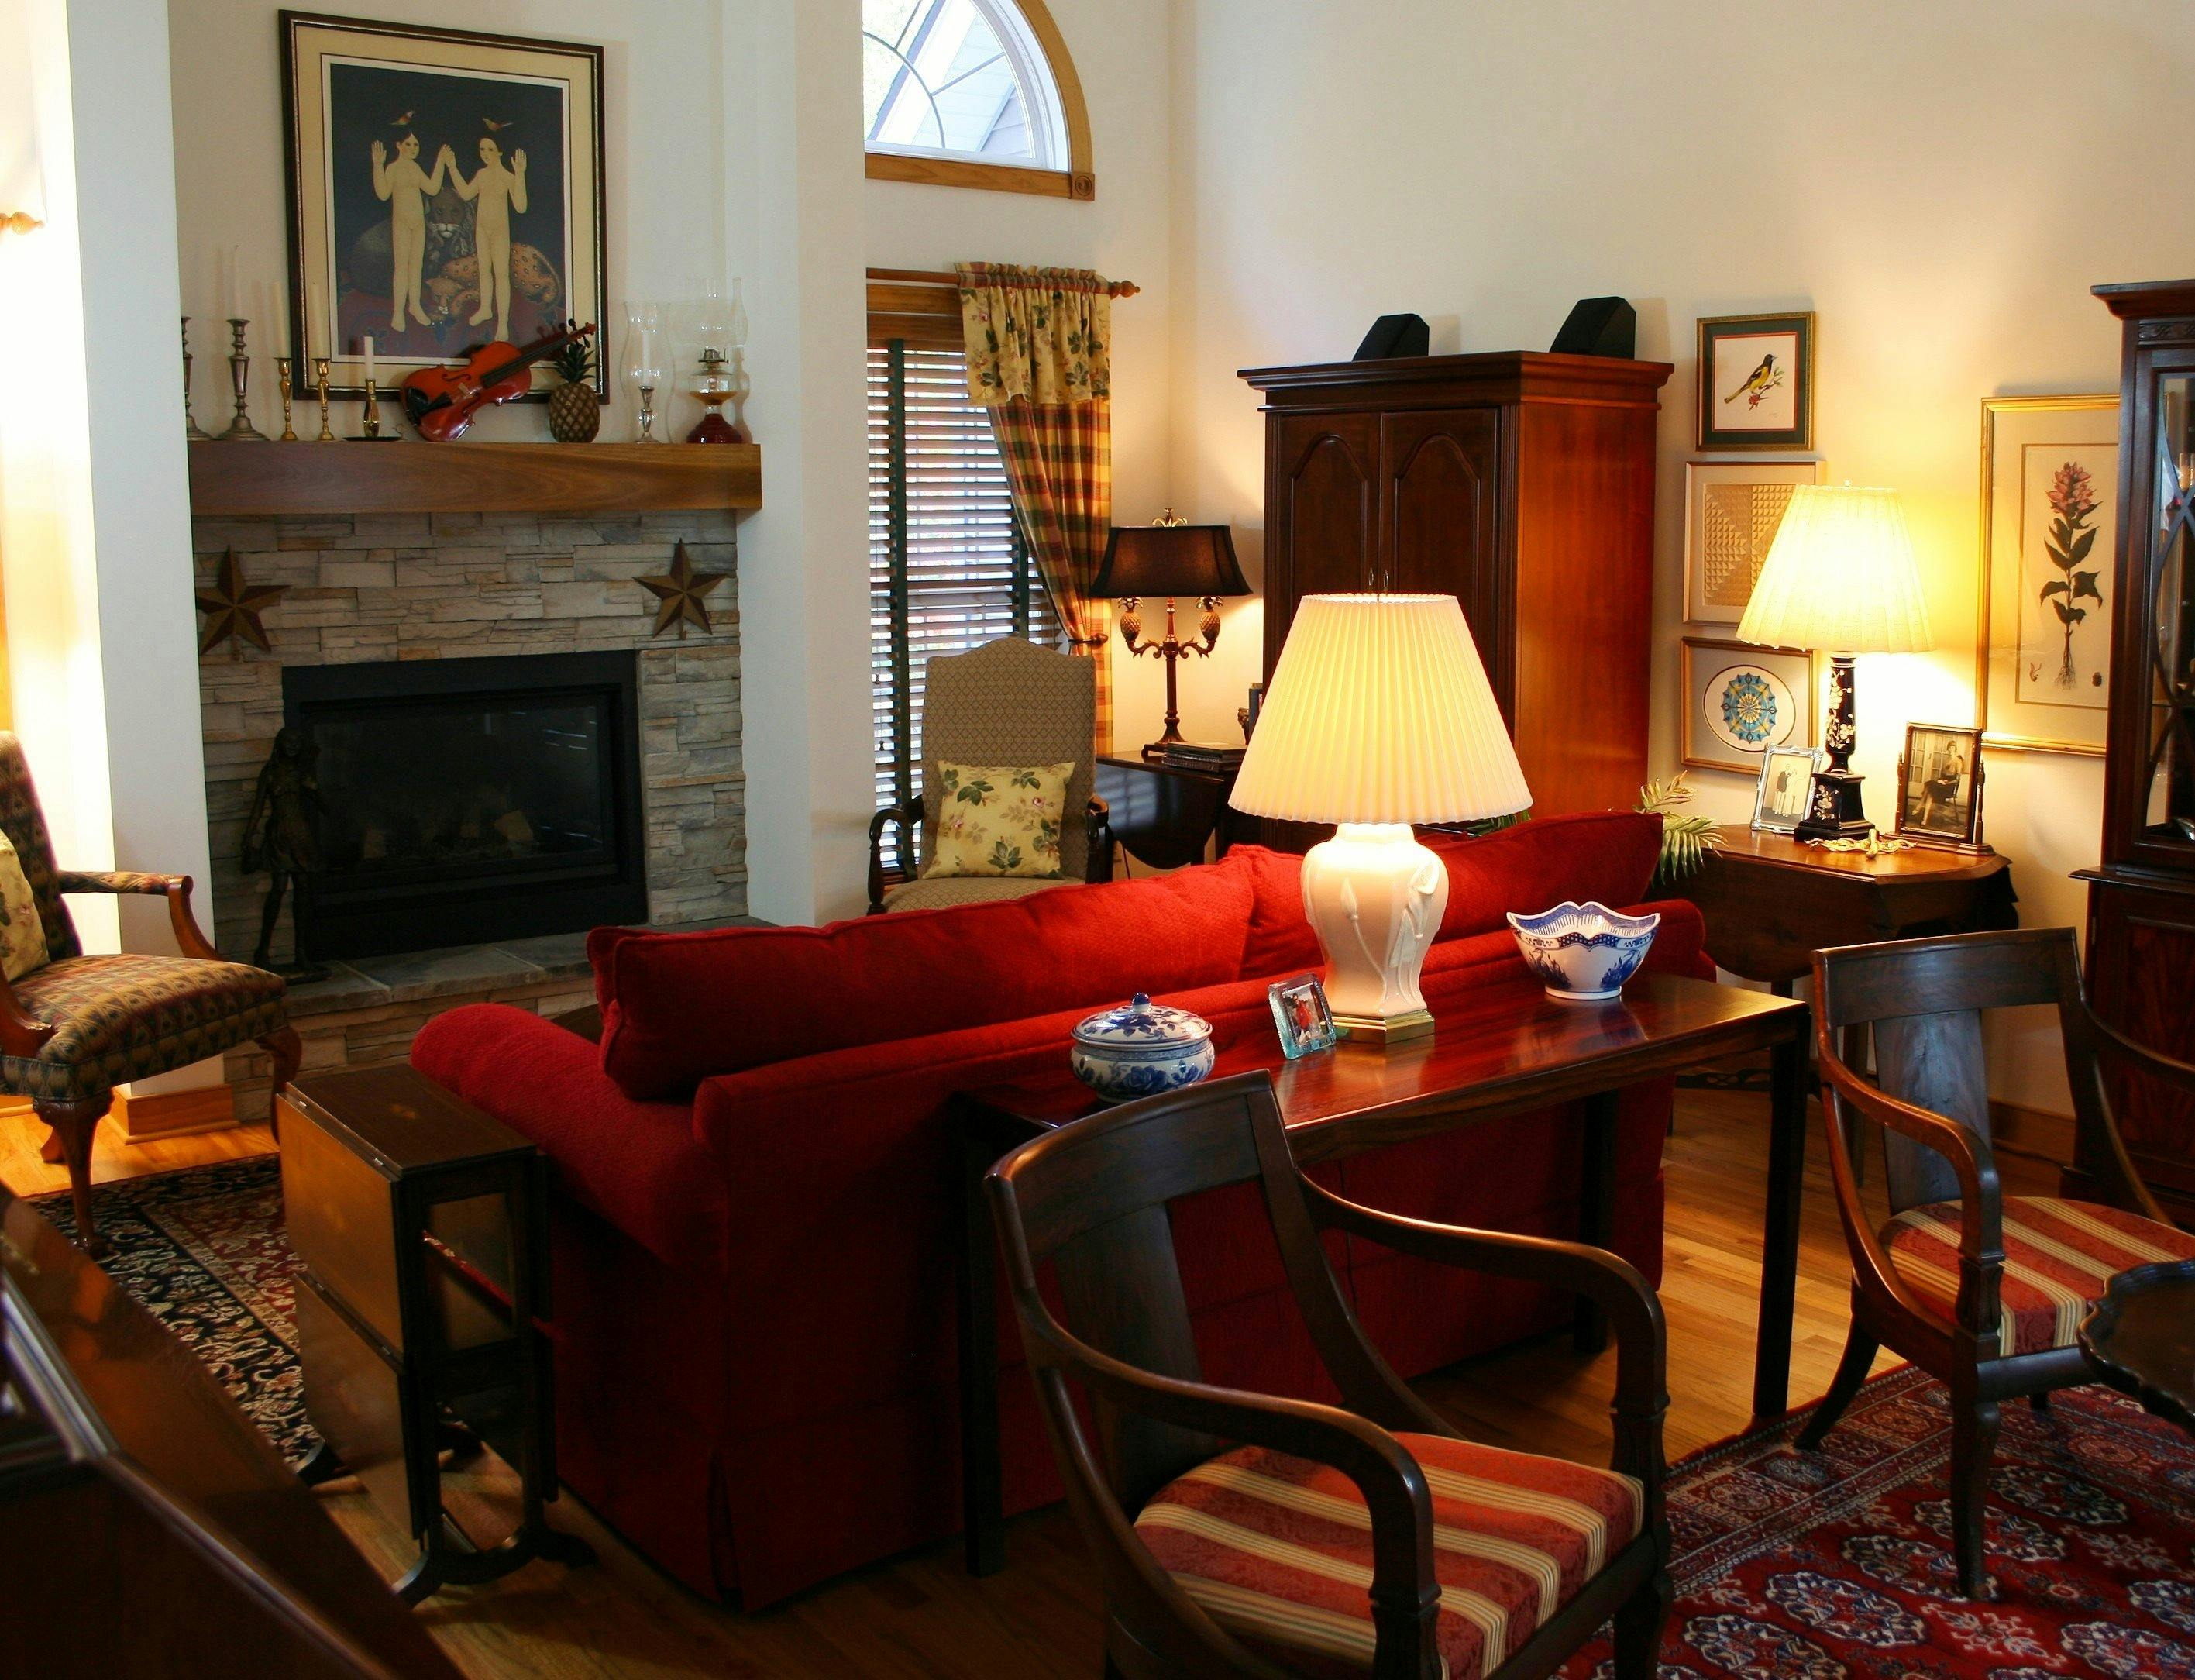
[(1281, 941), (1604, 855), (678, 1009)]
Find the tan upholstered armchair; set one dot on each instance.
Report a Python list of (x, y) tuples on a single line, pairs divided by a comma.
[(1007, 702), (73, 1030)]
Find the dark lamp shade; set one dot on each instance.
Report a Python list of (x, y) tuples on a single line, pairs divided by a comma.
[(1161, 560)]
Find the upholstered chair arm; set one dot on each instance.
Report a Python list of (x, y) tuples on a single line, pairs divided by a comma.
[(1608, 1280), (1100, 842), (1981, 1206), (20, 1035), (908, 819), (190, 938)]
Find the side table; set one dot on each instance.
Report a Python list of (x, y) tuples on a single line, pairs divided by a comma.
[(423, 1225), (1162, 814)]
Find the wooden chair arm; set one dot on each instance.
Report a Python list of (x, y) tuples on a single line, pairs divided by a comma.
[(1610, 1281), (909, 817), (190, 938), (1405, 1591), (1099, 869), (2116, 1045)]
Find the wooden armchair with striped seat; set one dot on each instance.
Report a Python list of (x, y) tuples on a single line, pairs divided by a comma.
[(1241, 1534), (1984, 1291)]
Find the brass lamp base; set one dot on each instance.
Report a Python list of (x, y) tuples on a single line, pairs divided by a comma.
[(1386, 1031)]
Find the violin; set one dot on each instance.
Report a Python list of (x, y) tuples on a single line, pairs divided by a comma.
[(441, 402)]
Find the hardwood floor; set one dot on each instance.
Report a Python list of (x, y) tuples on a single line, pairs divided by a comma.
[(921, 1617)]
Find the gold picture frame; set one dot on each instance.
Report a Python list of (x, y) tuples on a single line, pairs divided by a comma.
[(1732, 510), (1712, 739), (1940, 783), (2020, 701)]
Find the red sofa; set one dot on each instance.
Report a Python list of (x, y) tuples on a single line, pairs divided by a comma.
[(755, 1220)]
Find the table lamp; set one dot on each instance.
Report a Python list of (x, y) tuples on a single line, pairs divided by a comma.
[(1379, 715), (1839, 577), (1170, 558)]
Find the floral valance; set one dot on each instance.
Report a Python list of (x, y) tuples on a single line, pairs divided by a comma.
[(1044, 334)]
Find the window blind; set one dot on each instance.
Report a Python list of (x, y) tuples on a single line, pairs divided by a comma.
[(948, 568)]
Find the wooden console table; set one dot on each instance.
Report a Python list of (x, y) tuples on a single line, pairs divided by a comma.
[(1772, 902), (1508, 1050)]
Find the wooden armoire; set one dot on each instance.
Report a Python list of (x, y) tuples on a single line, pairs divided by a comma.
[(1521, 483), (2141, 896)]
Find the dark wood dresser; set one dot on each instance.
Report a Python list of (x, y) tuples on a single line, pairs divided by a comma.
[(1524, 485), (2141, 896)]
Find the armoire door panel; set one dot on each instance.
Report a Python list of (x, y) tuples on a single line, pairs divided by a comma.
[(1439, 496), (1320, 533)]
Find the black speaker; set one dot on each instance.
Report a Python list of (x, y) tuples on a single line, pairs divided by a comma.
[(1599, 327), (1394, 336)]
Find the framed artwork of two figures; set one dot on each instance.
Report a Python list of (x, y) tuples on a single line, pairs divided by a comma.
[(446, 190)]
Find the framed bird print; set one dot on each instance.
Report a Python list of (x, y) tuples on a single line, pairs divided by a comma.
[(1756, 376), (1742, 702), (446, 192), (2050, 471)]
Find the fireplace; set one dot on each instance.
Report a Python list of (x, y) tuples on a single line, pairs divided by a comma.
[(468, 801)]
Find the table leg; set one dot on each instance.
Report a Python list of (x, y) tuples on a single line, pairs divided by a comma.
[(1779, 1250), (982, 1492), (1596, 1207)]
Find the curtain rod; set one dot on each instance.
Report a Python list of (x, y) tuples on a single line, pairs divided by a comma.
[(933, 277)]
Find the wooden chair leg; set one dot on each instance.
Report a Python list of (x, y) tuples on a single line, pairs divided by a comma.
[(288, 1051), (73, 1124), (1974, 1443), (1860, 1347), (1639, 1626)]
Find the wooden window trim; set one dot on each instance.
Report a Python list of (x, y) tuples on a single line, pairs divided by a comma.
[(1078, 180)]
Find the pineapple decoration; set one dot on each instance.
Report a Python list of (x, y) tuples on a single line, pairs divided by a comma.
[(574, 413)]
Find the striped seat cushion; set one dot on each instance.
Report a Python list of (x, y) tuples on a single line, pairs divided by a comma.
[(1278, 1549), (2057, 1257)]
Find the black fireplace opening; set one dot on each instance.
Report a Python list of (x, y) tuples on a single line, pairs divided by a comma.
[(463, 801)]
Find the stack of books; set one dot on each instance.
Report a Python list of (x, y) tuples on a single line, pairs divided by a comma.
[(1196, 756)]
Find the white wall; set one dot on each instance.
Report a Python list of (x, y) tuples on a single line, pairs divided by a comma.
[(1942, 183)]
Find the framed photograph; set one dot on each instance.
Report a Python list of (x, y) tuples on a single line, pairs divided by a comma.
[(1732, 510), (1756, 377), (1939, 786), (1742, 700), (446, 191), (2050, 470), (1301, 1012), (1779, 803)]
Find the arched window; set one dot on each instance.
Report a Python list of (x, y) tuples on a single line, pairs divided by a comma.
[(973, 92)]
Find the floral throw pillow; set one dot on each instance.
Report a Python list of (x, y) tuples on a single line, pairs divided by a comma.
[(22, 934), (1000, 819)]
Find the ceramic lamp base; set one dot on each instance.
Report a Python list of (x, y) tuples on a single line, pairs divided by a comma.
[(1834, 810), (1374, 896)]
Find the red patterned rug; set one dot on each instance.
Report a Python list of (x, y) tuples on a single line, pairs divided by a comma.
[(1836, 1563)]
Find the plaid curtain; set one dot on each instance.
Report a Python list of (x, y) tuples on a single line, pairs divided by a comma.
[(1039, 344)]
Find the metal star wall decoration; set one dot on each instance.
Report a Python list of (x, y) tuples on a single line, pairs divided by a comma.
[(232, 608), (681, 595)]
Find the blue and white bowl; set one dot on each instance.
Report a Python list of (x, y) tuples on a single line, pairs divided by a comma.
[(1142, 1048), (1583, 952)]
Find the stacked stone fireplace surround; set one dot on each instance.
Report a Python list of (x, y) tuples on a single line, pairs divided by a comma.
[(409, 586)]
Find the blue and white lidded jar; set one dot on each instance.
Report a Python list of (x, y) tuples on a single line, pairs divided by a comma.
[(1141, 1049)]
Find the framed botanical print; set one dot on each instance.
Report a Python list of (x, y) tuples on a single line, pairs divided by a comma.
[(1939, 786), (2050, 468), (1742, 701), (1756, 376), (446, 192), (1732, 510)]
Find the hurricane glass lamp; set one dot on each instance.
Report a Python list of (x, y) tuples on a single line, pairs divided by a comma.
[(1839, 578), (1171, 558), (1379, 715)]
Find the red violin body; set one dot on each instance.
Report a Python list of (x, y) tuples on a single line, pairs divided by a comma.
[(441, 402)]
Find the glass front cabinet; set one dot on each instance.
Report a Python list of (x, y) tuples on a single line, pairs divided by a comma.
[(2141, 896)]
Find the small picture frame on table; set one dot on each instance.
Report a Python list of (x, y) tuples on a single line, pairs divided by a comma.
[(1301, 1015), (1756, 377), (1940, 787), (1779, 803)]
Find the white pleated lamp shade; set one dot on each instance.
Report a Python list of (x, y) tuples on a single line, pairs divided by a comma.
[(1379, 712), (1841, 577)]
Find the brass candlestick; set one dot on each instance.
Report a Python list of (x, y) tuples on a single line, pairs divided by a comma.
[(370, 427), (240, 430), (320, 381), (282, 377), (192, 429)]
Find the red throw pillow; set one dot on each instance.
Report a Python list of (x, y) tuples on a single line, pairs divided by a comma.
[(679, 1008), (1604, 855), (1281, 941)]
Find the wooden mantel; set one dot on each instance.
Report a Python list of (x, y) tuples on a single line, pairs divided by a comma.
[(246, 480)]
